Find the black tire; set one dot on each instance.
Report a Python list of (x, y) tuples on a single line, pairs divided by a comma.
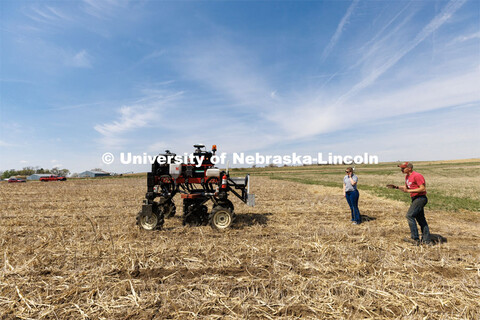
[(150, 222), (221, 218), (169, 209), (226, 204), (198, 217)]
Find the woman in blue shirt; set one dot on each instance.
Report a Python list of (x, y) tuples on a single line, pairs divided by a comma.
[(350, 192)]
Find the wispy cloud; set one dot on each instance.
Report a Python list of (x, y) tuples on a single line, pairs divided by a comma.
[(383, 40), (434, 24), (467, 37), (229, 70), (233, 72), (389, 23), (248, 86), (339, 31), (318, 117), (103, 9), (141, 114), (80, 59), (47, 14), (325, 112), (130, 118), (441, 92), (153, 55), (4, 144), (439, 136)]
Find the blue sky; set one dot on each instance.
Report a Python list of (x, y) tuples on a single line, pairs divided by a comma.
[(399, 79)]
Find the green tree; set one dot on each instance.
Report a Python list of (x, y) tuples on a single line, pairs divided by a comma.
[(64, 172), (60, 172), (41, 171), (9, 173), (26, 171)]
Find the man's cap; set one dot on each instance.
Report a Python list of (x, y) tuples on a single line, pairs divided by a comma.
[(404, 165)]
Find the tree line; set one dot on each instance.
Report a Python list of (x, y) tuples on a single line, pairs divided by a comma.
[(27, 171)]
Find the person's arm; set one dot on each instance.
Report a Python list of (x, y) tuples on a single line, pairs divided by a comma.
[(344, 194), (418, 190), (353, 182)]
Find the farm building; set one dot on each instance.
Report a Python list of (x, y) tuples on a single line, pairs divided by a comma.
[(37, 176), (93, 174)]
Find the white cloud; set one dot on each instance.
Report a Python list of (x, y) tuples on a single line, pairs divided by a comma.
[(434, 24), (467, 37), (310, 119), (389, 23), (313, 118), (382, 46), (80, 60), (131, 117), (4, 144), (430, 136), (270, 119), (449, 90), (103, 9), (141, 114), (47, 15), (339, 31), (228, 70), (153, 55), (304, 114)]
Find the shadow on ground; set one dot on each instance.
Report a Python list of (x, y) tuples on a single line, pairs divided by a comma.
[(436, 238), (367, 218), (249, 219)]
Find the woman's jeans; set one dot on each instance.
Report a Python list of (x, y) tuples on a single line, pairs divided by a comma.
[(352, 199), (416, 214)]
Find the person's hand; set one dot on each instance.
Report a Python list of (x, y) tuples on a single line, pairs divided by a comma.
[(403, 188), (344, 194)]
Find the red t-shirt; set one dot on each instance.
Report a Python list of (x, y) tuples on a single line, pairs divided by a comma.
[(413, 181)]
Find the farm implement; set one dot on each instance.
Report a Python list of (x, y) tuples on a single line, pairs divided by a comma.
[(197, 181)]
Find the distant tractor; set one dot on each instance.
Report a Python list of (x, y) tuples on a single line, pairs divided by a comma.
[(197, 183)]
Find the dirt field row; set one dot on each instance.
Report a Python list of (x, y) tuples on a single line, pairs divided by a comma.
[(72, 250)]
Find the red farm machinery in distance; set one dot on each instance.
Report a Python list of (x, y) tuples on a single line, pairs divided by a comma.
[(197, 183)]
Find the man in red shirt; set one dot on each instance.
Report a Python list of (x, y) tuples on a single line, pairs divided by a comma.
[(415, 185)]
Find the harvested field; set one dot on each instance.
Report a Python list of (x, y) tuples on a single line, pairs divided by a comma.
[(72, 250)]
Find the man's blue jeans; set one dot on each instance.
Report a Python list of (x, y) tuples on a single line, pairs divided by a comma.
[(352, 199), (417, 214)]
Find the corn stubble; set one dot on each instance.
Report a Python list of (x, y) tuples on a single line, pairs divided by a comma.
[(72, 250)]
